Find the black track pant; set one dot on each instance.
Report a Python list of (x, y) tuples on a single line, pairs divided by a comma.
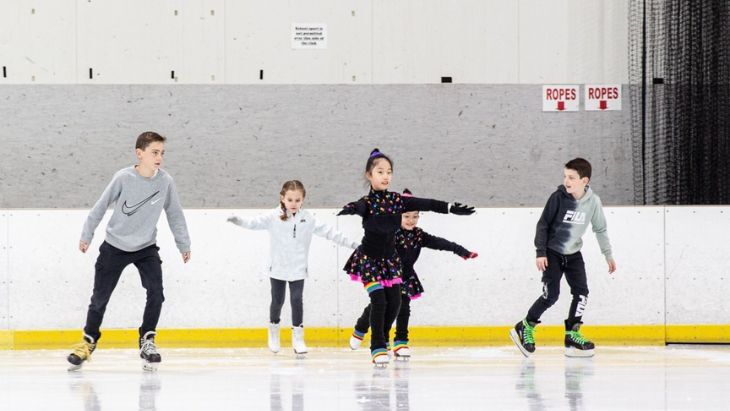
[(575, 273), (109, 267)]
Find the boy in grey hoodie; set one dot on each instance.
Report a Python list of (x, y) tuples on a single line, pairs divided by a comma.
[(558, 241), (138, 194)]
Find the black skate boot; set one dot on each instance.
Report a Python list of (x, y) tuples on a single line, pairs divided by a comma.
[(523, 336), (82, 353), (576, 345), (148, 351)]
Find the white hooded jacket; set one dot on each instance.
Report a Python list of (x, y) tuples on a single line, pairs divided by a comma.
[(289, 240)]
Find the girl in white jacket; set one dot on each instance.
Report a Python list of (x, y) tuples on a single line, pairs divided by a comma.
[(290, 233)]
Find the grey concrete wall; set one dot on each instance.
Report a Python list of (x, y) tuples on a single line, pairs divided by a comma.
[(233, 146)]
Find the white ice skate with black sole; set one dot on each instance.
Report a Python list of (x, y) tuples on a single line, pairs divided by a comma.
[(81, 354), (148, 352), (297, 342), (380, 357)]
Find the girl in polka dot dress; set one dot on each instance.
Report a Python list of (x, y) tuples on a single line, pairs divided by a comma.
[(409, 241), (375, 263)]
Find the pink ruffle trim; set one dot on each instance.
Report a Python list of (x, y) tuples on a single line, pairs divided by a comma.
[(384, 283)]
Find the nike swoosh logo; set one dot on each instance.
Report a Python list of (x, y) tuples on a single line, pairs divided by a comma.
[(130, 210)]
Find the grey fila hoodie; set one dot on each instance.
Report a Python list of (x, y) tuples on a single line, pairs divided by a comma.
[(564, 220), (138, 202)]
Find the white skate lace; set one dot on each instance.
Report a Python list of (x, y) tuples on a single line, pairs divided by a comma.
[(148, 347)]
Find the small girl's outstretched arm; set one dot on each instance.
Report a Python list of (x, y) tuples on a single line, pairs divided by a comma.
[(438, 243), (261, 222)]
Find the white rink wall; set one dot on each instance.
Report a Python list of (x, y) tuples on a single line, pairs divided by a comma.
[(670, 263), (368, 42)]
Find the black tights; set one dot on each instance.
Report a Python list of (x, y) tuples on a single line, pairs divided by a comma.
[(401, 323), (385, 304)]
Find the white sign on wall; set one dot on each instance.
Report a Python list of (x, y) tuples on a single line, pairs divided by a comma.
[(308, 36), (560, 98), (603, 97)]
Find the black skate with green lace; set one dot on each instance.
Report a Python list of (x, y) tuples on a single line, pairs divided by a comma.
[(576, 345)]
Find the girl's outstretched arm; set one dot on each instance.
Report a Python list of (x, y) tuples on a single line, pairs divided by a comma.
[(438, 206), (329, 232), (261, 222), (438, 243)]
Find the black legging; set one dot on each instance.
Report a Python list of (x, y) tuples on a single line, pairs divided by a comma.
[(278, 295), (401, 324), (385, 304)]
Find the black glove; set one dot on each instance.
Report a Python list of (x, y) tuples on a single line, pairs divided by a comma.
[(461, 209), (349, 209)]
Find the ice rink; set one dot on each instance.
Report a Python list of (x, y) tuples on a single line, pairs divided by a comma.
[(627, 378)]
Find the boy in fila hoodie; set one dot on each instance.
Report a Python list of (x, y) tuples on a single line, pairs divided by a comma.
[(558, 241)]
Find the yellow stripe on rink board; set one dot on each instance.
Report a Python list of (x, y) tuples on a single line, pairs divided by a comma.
[(698, 334), (6, 340), (334, 337)]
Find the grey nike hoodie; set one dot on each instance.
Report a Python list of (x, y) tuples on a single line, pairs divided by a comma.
[(138, 202)]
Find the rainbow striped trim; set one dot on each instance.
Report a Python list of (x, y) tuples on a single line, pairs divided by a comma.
[(357, 334), (397, 345), (373, 286), (378, 352)]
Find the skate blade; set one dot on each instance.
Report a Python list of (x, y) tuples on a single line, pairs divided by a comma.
[(576, 353), (149, 366), (381, 366), (300, 355), (73, 367), (403, 358), (516, 339)]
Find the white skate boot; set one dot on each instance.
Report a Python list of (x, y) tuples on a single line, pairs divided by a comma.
[(274, 338), (380, 357), (356, 339), (401, 350), (297, 341)]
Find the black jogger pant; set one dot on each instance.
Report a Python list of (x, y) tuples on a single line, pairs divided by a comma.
[(278, 295), (575, 273), (108, 269), (401, 323)]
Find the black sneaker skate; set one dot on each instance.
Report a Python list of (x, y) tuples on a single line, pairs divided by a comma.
[(523, 337), (576, 345), (82, 353), (148, 351)]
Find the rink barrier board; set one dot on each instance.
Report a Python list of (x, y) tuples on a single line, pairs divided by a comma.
[(329, 336)]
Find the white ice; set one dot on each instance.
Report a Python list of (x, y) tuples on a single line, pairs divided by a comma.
[(621, 378)]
